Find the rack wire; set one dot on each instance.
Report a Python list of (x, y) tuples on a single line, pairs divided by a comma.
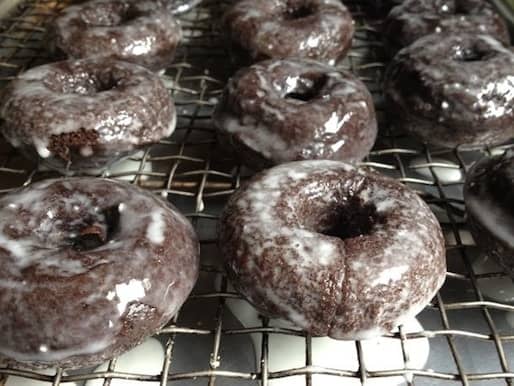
[(471, 344)]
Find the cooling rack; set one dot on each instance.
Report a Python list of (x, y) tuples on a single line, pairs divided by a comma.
[(471, 338)]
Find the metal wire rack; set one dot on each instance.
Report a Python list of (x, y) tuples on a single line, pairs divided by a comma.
[(471, 341)]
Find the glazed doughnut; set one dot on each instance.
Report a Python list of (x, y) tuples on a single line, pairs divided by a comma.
[(413, 19), (315, 29), (488, 196), (336, 250), (89, 268), (284, 110), (140, 32), (453, 90), (82, 114)]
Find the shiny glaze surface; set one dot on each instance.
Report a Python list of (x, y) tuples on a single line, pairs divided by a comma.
[(141, 32), (315, 29), (336, 250), (179, 6), (86, 113), (413, 19), (488, 196), (285, 110), (89, 268), (456, 90)]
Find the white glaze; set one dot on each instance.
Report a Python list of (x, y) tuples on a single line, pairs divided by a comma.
[(155, 230)]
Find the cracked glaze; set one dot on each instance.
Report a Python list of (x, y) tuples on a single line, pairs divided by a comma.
[(141, 32), (280, 255), (413, 19), (86, 113), (66, 304), (456, 90), (264, 122), (488, 196), (316, 29)]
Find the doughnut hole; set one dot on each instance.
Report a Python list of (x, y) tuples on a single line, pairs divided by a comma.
[(296, 10), (306, 87), (86, 84), (92, 234), (77, 224), (466, 7), (472, 54), (335, 216), (351, 220)]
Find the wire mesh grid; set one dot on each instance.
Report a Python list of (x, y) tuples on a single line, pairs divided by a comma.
[(470, 331)]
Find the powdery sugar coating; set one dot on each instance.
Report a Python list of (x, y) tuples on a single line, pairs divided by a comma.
[(284, 110), (67, 302), (333, 249), (488, 196), (316, 29), (86, 113), (453, 90), (413, 19), (142, 32)]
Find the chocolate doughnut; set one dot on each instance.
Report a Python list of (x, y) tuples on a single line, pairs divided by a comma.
[(453, 90), (284, 110), (413, 19), (82, 114), (336, 250), (141, 32), (88, 269), (316, 29), (488, 196)]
